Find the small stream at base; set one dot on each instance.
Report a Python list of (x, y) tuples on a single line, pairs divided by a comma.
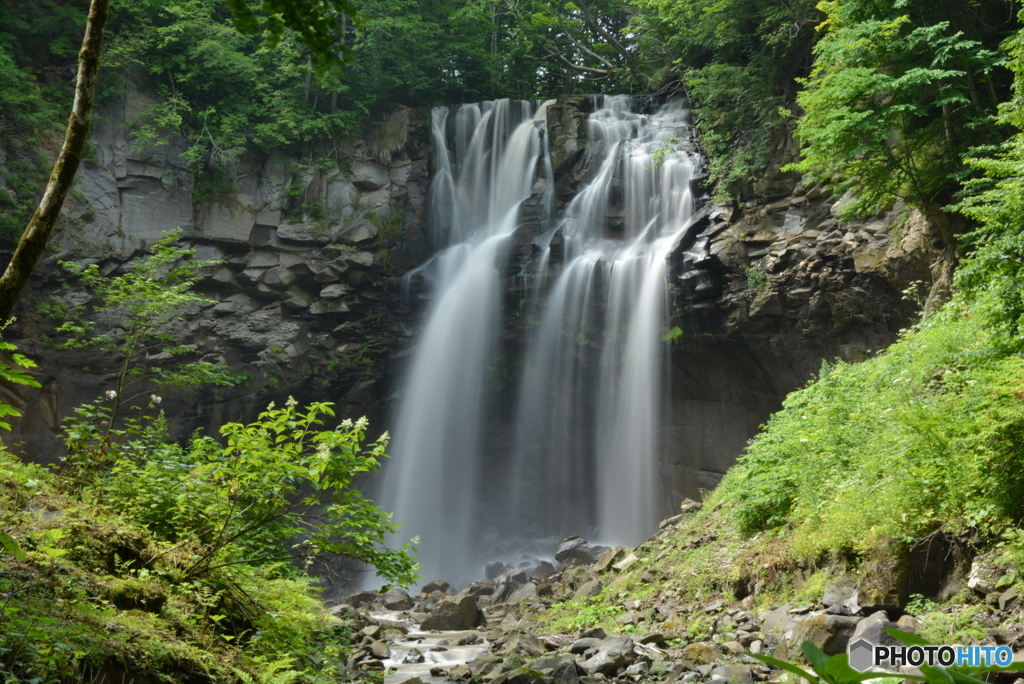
[(438, 649)]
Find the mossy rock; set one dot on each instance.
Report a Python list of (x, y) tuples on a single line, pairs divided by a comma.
[(883, 577), (130, 593)]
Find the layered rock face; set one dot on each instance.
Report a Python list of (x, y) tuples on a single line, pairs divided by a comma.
[(304, 297)]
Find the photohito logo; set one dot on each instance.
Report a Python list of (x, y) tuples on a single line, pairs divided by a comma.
[(864, 655)]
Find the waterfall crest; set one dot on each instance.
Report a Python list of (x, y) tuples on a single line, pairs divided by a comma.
[(583, 453)]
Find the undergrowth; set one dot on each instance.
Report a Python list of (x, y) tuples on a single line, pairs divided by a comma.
[(145, 559)]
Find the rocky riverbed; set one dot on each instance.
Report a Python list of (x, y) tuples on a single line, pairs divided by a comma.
[(501, 630)]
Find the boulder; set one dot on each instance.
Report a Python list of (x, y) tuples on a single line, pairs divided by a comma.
[(360, 231), (484, 665), (612, 653), (479, 589), (581, 646), (522, 593), (778, 622), (543, 570), (386, 624), (560, 667), (588, 590), (517, 576), (277, 278), (297, 301), (575, 549), (627, 562), (983, 577), (459, 673), (430, 601), (436, 585), (300, 232), (369, 176), (701, 653), (609, 557), (523, 675), (830, 633), (324, 307), (737, 674), (838, 593), (380, 650), (652, 638), (493, 569), (452, 614), (525, 644), (871, 629), (1009, 599), (361, 598), (335, 291), (397, 598)]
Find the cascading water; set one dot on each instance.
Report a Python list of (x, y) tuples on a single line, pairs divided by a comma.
[(583, 455)]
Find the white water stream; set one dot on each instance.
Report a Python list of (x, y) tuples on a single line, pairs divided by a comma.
[(583, 454)]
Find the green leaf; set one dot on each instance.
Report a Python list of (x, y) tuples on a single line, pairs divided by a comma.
[(788, 667), (11, 547)]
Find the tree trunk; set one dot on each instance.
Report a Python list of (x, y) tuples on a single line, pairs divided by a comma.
[(944, 268), (309, 79), (37, 234)]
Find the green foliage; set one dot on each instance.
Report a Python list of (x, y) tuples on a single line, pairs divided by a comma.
[(24, 107), (934, 426), (317, 24), (828, 670), (919, 605), (579, 615), (738, 59), (673, 335), (757, 279), (995, 270), (964, 626), (134, 320), (888, 108), (91, 588), (668, 147), (278, 489), (737, 114), (14, 372)]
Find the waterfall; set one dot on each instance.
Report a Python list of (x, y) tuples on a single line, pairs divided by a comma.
[(583, 453)]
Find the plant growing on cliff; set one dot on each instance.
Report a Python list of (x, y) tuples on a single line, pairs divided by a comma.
[(135, 318), (757, 280)]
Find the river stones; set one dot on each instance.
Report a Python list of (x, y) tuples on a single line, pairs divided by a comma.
[(436, 585), (397, 598), (612, 653), (574, 550), (452, 614), (362, 598)]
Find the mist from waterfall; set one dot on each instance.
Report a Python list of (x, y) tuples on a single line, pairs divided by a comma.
[(583, 455)]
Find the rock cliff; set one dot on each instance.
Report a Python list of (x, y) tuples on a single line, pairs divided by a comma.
[(305, 297), (309, 303)]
